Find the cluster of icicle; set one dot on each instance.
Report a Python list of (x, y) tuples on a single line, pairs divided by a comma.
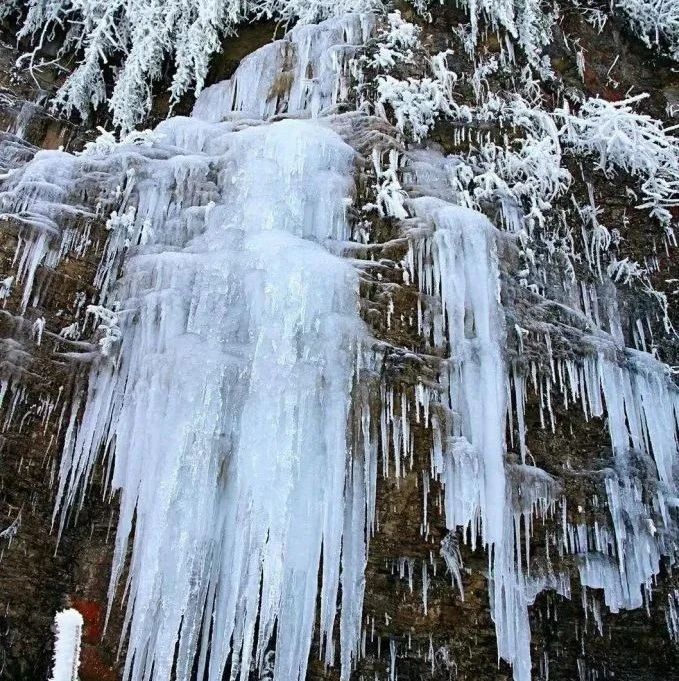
[(453, 259), (228, 395), (456, 262), (231, 351)]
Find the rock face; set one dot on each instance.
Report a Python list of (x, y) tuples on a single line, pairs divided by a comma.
[(360, 369)]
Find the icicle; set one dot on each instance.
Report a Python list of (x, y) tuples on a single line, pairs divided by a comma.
[(236, 346), (672, 615), (464, 274), (425, 587), (393, 674), (451, 555)]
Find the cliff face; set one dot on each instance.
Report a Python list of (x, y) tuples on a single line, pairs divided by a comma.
[(507, 488)]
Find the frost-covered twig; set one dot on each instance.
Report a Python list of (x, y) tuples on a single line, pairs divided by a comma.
[(416, 103), (656, 22), (108, 323), (524, 21), (627, 140), (107, 141)]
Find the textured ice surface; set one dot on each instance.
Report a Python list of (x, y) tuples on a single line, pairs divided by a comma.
[(458, 262), (307, 72), (226, 411), (226, 414), (453, 260)]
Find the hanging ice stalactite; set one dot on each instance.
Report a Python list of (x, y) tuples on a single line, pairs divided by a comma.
[(225, 412)]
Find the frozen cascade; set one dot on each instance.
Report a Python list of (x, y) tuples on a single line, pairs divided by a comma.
[(225, 413), (452, 258), (458, 262), (642, 407), (235, 353), (633, 391), (307, 72)]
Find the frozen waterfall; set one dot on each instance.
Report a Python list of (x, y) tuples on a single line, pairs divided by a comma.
[(258, 256), (226, 413)]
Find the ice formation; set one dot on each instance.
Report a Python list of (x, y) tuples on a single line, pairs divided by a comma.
[(458, 263), (225, 413), (308, 72), (68, 626), (227, 388)]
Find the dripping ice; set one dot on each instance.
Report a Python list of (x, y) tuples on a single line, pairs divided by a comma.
[(232, 346), (458, 262), (453, 257), (226, 408)]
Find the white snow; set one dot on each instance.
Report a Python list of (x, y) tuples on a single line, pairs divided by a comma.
[(656, 22), (635, 142)]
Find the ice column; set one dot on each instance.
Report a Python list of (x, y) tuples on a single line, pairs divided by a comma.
[(457, 262), (68, 626)]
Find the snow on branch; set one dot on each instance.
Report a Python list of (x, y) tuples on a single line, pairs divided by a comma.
[(416, 102), (395, 42), (107, 142), (108, 326), (634, 142), (656, 22)]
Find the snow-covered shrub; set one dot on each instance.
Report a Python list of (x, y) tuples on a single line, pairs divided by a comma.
[(416, 103), (395, 43), (523, 173), (389, 195), (8, 7), (634, 142), (107, 142), (656, 22), (108, 325), (625, 271), (142, 35)]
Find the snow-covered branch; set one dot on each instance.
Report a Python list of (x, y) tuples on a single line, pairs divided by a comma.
[(631, 141)]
